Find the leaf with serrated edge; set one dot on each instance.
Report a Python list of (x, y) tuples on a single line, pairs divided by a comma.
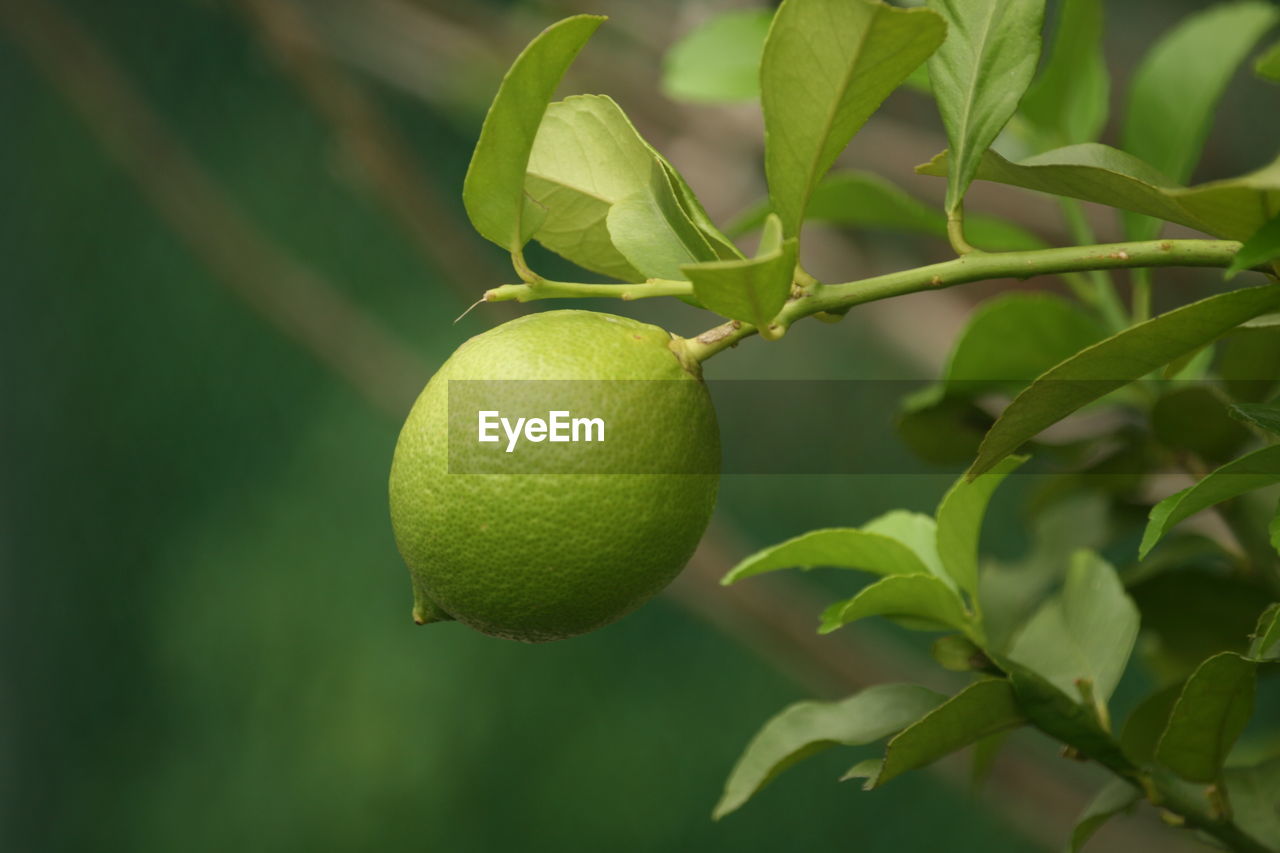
[(981, 709), (960, 517), (1252, 471), (979, 75), (1215, 704), (914, 597), (718, 61), (750, 291), (1068, 102), (1265, 642), (1100, 369), (1232, 208), (827, 66), (1086, 633), (493, 191), (806, 728), (1114, 797)]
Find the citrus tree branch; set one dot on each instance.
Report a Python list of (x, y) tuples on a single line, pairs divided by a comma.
[(547, 289)]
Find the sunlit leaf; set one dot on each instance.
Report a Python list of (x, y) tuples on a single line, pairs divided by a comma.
[(806, 728), (827, 66), (1252, 471), (1211, 712), (1115, 362), (923, 599), (1068, 102), (493, 191), (979, 75), (960, 516), (843, 548), (719, 61)]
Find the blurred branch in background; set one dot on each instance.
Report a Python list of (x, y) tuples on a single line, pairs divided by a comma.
[(774, 618)]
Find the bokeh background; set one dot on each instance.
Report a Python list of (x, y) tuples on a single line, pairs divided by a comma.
[(233, 250)]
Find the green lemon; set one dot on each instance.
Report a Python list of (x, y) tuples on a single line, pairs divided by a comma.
[(546, 540)]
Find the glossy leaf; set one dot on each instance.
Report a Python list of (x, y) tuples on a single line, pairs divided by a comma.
[(920, 598), (1265, 640), (719, 61), (806, 728), (1115, 362), (979, 75), (1068, 102), (750, 291), (1233, 208), (960, 516), (827, 66), (1259, 250), (1254, 793), (1114, 797), (588, 165), (1211, 712), (493, 191), (981, 709), (841, 548), (1268, 65), (1251, 471), (1084, 634), (1264, 416)]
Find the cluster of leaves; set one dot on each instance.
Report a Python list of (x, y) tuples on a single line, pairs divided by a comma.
[(1046, 641)]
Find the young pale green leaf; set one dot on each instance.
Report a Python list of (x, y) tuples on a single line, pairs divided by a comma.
[(1265, 640), (1068, 102), (920, 599), (1086, 634), (1253, 793), (1212, 711), (587, 160), (1179, 82), (494, 189), (1254, 470), (1146, 723), (1268, 65), (1058, 715), (917, 531), (1233, 208), (1260, 249), (1115, 362), (1113, 798), (1013, 338), (865, 200), (1264, 416), (841, 548), (981, 709), (750, 291), (979, 75), (718, 61), (960, 517), (806, 728), (827, 66)]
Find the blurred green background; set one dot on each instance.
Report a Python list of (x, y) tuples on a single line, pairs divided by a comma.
[(233, 249)]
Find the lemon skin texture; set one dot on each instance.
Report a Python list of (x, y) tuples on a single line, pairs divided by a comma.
[(536, 556)]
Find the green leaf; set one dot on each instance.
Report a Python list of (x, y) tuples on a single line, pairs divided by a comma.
[(1114, 797), (1085, 634), (1265, 640), (960, 517), (1115, 362), (1234, 208), (1068, 102), (723, 247), (587, 162), (1147, 722), (718, 61), (1260, 249), (1212, 711), (958, 653), (1195, 419), (1246, 361), (1274, 530), (1251, 471), (918, 598), (917, 531), (806, 728), (841, 548), (1013, 338), (827, 66), (1268, 65), (1178, 85), (750, 291), (1254, 793), (493, 191), (857, 199), (979, 74), (1264, 416), (981, 709)]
